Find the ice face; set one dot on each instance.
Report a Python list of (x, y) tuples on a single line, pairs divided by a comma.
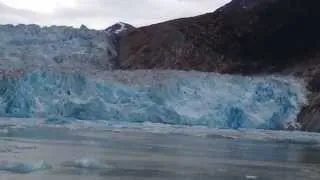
[(212, 100)]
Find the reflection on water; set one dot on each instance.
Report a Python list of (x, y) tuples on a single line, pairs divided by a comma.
[(94, 154), (310, 154)]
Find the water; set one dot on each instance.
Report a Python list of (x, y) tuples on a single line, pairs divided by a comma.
[(36, 151)]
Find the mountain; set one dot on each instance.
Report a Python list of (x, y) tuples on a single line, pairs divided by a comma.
[(243, 37), (116, 32)]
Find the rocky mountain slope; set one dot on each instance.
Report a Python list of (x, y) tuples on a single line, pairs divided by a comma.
[(243, 37), (115, 32)]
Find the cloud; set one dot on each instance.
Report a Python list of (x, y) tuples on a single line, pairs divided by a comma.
[(11, 15), (101, 13)]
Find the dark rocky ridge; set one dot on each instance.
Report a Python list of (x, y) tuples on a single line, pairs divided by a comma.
[(243, 37), (116, 31)]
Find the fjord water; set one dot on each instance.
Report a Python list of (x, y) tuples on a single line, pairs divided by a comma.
[(67, 114), (154, 151)]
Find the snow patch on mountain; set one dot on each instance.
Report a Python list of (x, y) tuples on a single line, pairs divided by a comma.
[(119, 28)]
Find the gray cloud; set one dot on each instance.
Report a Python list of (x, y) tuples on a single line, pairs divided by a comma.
[(101, 13), (11, 15)]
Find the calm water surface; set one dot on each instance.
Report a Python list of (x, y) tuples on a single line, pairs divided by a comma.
[(60, 153)]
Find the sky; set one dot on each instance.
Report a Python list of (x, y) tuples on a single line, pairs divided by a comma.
[(99, 14)]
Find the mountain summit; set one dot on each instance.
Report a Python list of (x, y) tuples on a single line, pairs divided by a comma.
[(119, 28)]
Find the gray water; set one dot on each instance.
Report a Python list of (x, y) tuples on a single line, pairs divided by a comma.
[(150, 151)]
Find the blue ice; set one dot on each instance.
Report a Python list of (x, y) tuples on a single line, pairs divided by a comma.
[(212, 100)]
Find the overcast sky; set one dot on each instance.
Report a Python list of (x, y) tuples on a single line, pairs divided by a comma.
[(98, 14)]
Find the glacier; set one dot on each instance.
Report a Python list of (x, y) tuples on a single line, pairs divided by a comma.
[(23, 46), (62, 74), (169, 97)]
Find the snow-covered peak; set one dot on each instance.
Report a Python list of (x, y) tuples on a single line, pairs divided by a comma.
[(119, 28)]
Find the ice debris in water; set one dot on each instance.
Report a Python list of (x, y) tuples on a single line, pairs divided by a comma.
[(249, 177), (85, 163), (23, 168)]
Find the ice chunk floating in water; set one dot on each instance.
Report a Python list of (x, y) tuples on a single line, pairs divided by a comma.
[(85, 164), (181, 98), (23, 168)]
